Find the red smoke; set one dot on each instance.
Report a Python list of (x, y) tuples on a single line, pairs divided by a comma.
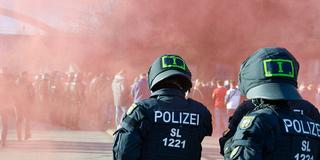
[(99, 35)]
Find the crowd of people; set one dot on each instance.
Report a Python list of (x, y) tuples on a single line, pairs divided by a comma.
[(99, 101), (72, 100)]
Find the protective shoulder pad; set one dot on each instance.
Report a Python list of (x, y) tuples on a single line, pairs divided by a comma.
[(132, 108), (147, 103)]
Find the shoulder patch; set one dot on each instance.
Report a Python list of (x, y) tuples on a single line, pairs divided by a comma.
[(246, 122), (131, 108)]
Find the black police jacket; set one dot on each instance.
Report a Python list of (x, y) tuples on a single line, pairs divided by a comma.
[(166, 126), (301, 106), (276, 132)]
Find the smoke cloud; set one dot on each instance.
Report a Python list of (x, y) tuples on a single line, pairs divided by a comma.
[(99, 35)]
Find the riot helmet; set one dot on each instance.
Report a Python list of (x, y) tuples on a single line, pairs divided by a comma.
[(270, 73), (169, 68)]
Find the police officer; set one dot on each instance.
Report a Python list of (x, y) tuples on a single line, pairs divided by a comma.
[(300, 106), (167, 125), (273, 130)]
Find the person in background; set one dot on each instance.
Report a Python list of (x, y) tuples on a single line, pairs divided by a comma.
[(76, 97), (196, 92), (119, 99), (232, 98), (219, 107), (7, 103), (140, 90), (43, 92), (23, 105)]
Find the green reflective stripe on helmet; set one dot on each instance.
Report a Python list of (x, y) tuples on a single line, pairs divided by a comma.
[(169, 66), (278, 68), (270, 73), (173, 62)]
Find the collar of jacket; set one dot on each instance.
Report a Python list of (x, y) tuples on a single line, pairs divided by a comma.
[(168, 92)]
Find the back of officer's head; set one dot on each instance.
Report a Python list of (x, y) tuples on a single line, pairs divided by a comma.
[(271, 74), (169, 71)]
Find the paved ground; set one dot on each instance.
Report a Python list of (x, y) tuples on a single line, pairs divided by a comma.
[(48, 143)]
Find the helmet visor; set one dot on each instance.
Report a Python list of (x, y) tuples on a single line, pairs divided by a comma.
[(274, 91)]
